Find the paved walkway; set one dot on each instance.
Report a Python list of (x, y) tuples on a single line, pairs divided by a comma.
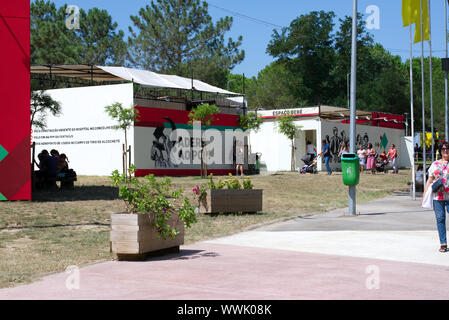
[(388, 251)]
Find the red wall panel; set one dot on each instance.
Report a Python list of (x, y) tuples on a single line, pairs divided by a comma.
[(15, 169)]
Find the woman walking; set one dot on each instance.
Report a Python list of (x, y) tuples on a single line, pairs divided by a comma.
[(361, 153), (439, 173), (344, 149), (371, 161)]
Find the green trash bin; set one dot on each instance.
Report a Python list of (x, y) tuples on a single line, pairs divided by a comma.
[(350, 169)]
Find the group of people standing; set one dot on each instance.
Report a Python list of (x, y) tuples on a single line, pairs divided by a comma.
[(367, 156)]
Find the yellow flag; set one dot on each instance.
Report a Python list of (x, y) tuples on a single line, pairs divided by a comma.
[(406, 12), (425, 19), (410, 11), (428, 139)]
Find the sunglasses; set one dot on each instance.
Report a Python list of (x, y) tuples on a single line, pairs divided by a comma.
[(444, 149)]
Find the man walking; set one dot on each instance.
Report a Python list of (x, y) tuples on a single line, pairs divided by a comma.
[(326, 156), (393, 156)]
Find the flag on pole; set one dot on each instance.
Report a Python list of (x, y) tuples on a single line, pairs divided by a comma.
[(411, 13), (425, 22)]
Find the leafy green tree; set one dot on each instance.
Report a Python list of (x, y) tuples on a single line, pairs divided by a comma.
[(250, 121), (179, 37), (273, 87), (205, 114), (437, 92), (286, 126), (125, 118), (306, 46), (384, 89), (343, 48), (41, 104)]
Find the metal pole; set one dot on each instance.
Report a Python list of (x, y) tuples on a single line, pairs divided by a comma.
[(412, 114), (352, 111), (431, 87), (422, 100), (347, 89), (446, 122)]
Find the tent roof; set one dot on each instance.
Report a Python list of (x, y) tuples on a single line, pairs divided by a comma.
[(143, 77)]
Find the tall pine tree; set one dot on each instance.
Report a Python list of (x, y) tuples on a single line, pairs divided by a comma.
[(179, 37)]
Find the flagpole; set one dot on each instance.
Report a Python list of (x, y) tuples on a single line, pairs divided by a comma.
[(446, 125), (411, 113), (422, 99), (431, 84), (352, 110)]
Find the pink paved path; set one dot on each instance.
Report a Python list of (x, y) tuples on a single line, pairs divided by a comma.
[(226, 272)]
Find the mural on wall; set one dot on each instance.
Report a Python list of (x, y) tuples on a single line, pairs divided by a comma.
[(336, 140), (161, 148), (157, 151)]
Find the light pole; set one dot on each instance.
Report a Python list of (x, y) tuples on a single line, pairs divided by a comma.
[(347, 87), (352, 112)]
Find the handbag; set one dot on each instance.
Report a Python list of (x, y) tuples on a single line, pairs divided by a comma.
[(427, 202), (437, 185)]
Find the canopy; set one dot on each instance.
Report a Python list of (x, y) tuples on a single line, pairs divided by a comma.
[(143, 77)]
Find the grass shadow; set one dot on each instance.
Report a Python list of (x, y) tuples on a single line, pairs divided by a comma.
[(79, 193), (57, 225)]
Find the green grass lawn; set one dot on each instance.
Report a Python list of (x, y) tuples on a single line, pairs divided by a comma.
[(71, 227)]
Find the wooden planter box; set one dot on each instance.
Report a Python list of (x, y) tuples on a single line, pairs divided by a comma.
[(227, 200), (134, 237)]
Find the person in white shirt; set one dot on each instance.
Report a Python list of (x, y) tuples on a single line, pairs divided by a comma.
[(310, 148), (361, 153)]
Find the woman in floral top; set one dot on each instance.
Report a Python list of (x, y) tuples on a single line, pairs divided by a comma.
[(440, 170)]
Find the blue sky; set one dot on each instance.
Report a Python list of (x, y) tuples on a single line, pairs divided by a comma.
[(256, 35)]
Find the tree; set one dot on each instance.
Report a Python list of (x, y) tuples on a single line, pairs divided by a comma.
[(205, 114), (273, 87), (96, 42), (286, 126), (250, 121), (125, 118), (51, 41), (101, 43), (41, 103), (306, 46), (174, 36), (437, 92)]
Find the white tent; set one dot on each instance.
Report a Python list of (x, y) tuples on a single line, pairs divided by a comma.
[(143, 77)]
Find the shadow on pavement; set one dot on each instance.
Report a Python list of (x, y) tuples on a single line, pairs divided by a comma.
[(184, 254)]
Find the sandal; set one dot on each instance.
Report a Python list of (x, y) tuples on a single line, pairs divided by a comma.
[(443, 248)]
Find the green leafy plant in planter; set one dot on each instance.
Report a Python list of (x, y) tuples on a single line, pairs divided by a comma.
[(232, 183), (239, 196), (247, 184), (157, 198)]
